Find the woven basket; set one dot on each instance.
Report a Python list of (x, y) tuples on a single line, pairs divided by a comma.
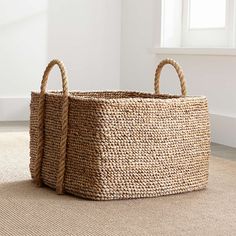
[(119, 145)]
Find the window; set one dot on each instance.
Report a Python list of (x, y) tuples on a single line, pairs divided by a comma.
[(198, 23)]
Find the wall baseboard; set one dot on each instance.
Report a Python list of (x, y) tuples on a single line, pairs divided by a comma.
[(14, 109), (223, 129)]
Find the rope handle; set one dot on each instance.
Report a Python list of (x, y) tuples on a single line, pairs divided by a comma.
[(178, 70), (64, 127)]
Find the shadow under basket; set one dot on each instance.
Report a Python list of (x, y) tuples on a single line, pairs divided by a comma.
[(119, 145)]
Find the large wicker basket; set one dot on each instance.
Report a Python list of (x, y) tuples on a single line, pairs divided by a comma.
[(119, 145)]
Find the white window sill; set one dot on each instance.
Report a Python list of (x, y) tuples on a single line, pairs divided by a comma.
[(196, 51)]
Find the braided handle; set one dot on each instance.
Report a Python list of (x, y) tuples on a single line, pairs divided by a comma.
[(178, 70), (63, 142)]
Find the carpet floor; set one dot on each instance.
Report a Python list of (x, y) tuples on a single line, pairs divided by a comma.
[(27, 210)]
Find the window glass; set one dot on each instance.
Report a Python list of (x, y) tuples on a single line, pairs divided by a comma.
[(207, 13)]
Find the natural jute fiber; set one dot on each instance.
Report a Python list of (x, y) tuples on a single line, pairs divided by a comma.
[(119, 145)]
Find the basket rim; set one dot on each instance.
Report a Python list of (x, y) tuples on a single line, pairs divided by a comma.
[(153, 97)]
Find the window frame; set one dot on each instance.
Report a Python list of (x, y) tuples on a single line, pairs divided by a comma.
[(162, 46)]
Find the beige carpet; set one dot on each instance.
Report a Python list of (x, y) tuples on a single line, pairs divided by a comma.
[(27, 210)]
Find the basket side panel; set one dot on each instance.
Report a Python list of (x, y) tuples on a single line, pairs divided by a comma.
[(144, 148), (83, 177), (52, 136), (33, 130)]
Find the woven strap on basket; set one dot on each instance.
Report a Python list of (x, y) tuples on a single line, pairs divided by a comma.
[(64, 127), (178, 70)]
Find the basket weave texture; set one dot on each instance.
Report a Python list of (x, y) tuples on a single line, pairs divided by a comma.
[(119, 145)]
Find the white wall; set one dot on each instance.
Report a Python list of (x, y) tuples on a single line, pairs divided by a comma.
[(23, 54), (85, 34), (213, 76)]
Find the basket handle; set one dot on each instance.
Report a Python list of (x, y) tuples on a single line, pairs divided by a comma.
[(64, 127), (178, 70)]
